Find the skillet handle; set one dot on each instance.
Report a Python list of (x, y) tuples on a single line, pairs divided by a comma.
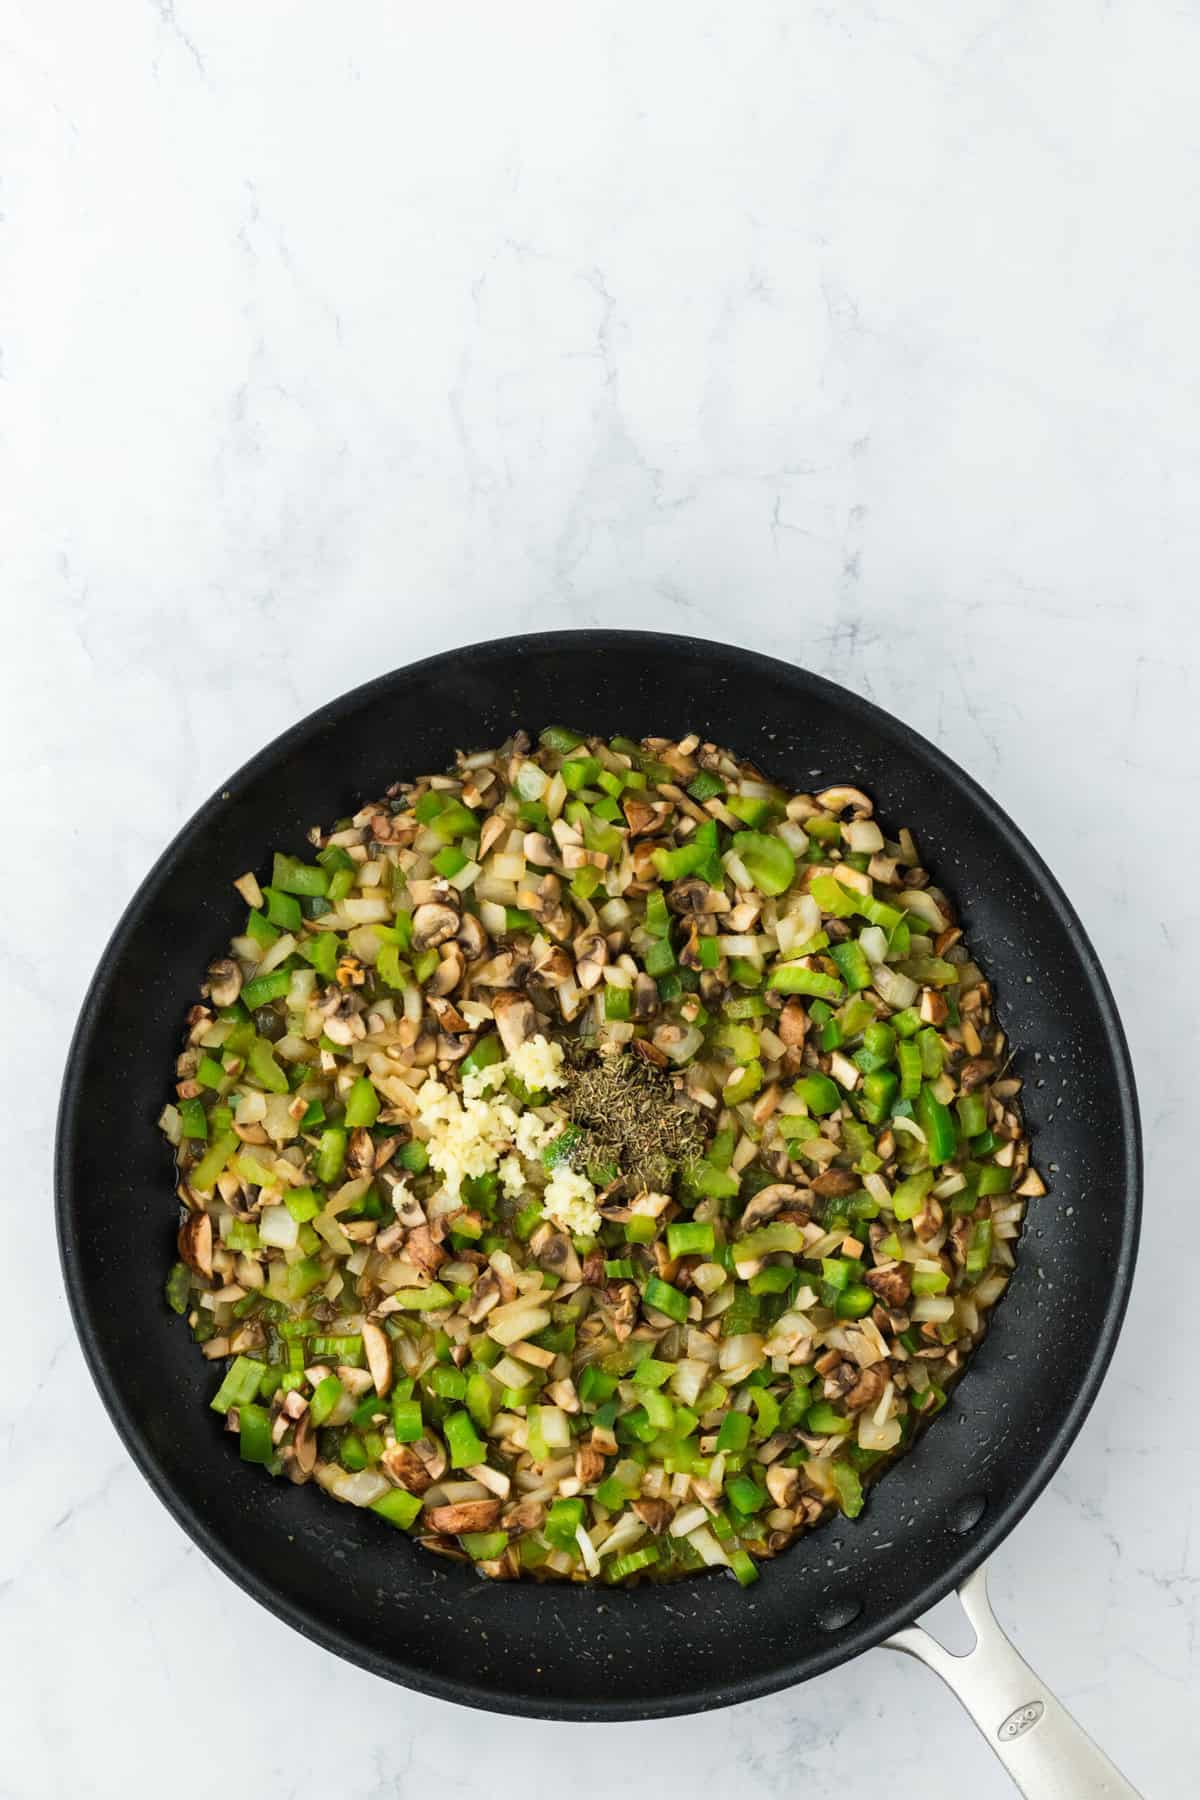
[(1047, 1754)]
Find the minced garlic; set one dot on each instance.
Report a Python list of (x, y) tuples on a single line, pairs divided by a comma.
[(538, 1063), (570, 1200)]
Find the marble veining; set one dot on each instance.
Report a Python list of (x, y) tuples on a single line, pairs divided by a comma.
[(334, 336)]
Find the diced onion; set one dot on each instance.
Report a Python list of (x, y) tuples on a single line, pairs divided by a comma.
[(932, 1309), (917, 900), (277, 1227), (707, 1548), (278, 953), (894, 987), (873, 939)]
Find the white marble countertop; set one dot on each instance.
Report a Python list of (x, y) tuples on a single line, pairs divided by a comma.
[(336, 335)]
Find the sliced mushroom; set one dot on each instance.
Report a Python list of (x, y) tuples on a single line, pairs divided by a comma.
[(403, 1467), (744, 916), (589, 1464), (433, 1456), (891, 1281), (975, 1072), (502, 971), (693, 894), (524, 1515), (360, 1153), (933, 1007), (472, 938), (645, 996), (868, 1388), (304, 1449), (929, 1221), (468, 1515), (834, 1183), (447, 1014), (782, 1484), (447, 975), (792, 1026), (846, 799), (379, 1356), (766, 1203), (656, 1514), (641, 816), (494, 828), (539, 850), (484, 1296), (515, 1018), (344, 1024), (433, 923), (196, 1243), (554, 1250), (591, 955), (422, 1252), (224, 981)]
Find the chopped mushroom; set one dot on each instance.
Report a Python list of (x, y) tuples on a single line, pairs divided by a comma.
[(224, 981), (468, 1515), (433, 924), (379, 1356), (515, 1018)]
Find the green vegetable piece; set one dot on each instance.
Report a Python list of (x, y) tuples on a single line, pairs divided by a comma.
[(734, 1433), (331, 1155), (193, 1119), (849, 1488), (254, 1434), (178, 1288), (690, 1238), (561, 1523), (769, 863), (909, 1196), (291, 876), (426, 1299), (851, 959), (362, 1103), (283, 909), (262, 1066), (325, 1398), (855, 1301), (240, 1384), (794, 978), (407, 1422), (937, 1122), (560, 738), (744, 1567), (744, 1083), (462, 1442), (819, 1093), (666, 1299), (822, 1421), (398, 1507), (878, 1093), (203, 1177), (972, 1114), (265, 988), (908, 1057)]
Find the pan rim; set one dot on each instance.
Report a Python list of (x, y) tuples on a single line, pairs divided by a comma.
[(841, 1645)]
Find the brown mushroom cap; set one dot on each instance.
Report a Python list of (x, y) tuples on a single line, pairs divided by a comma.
[(515, 1018), (224, 981), (433, 923)]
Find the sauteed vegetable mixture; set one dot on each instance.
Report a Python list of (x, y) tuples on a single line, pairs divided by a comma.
[(596, 1161)]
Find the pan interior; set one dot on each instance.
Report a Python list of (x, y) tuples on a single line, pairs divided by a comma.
[(576, 1652)]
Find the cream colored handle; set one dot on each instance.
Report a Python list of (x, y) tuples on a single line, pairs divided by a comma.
[(1047, 1754)]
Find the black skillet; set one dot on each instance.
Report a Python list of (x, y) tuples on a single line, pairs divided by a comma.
[(576, 1652)]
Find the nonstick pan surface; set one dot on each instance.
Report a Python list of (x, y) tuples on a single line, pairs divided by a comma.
[(565, 1651)]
